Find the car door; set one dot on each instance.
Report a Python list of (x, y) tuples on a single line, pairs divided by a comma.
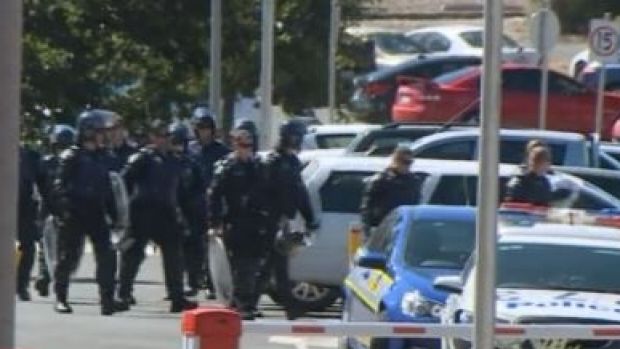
[(520, 100), (571, 107)]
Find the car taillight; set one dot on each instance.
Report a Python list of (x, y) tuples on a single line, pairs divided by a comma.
[(404, 98), (376, 88)]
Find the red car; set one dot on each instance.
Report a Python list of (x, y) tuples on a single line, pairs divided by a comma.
[(456, 96)]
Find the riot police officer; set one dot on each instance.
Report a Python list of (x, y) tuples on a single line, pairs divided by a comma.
[(287, 195), (532, 186), (30, 177), (116, 139), (393, 187), (153, 177), (85, 202), (206, 150), (61, 137), (192, 200), (237, 211)]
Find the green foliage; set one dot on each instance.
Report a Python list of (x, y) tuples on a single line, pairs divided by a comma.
[(141, 57), (575, 15)]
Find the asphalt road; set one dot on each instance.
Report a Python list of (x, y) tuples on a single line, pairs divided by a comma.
[(147, 326)]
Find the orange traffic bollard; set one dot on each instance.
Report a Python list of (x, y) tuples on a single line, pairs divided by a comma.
[(211, 328)]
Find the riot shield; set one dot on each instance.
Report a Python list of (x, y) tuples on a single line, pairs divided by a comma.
[(50, 243), (121, 199), (220, 270)]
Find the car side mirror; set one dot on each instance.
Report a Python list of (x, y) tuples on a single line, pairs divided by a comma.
[(449, 284), (371, 261)]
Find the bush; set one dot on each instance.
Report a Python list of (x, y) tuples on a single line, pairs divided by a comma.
[(575, 15)]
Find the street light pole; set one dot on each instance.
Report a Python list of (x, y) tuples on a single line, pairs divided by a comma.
[(215, 77), (266, 72), (10, 69), (334, 30), (486, 227)]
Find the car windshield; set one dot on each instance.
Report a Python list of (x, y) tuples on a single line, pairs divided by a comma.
[(439, 243), (474, 38), (396, 44), (449, 78), (334, 141), (562, 267)]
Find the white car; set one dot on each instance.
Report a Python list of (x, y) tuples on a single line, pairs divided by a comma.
[(467, 40), (336, 136), (336, 184), (547, 273), (391, 47), (578, 63)]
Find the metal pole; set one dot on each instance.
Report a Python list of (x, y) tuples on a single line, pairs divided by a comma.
[(600, 96), (215, 83), (10, 69), (544, 61), (486, 227), (334, 30), (266, 78)]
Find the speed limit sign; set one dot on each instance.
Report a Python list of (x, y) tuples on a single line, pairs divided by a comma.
[(604, 41)]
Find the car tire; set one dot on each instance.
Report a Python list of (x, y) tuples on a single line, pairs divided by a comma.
[(306, 296)]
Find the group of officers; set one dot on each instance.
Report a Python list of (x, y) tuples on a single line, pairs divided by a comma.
[(178, 190)]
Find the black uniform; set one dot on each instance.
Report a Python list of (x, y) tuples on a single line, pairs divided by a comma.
[(121, 156), (384, 192), (205, 156), (529, 188), (30, 177), (85, 198), (287, 195), (194, 206), (236, 200), (153, 179)]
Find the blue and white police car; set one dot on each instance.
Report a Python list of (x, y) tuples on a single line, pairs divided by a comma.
[(392, 277), (547, 273)]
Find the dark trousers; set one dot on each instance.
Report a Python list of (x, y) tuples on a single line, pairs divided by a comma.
[(44, 271), (274, 266), (245, 269), (161, 228), (71, 237), (195, 259), (27, 251)]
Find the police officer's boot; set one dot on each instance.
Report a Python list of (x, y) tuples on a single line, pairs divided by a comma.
[(182, 304), (42, 285), (62, 306)]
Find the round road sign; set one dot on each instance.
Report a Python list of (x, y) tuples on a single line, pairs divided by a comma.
[(544, 29), (603, 40)]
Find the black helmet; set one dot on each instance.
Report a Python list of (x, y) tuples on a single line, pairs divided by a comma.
[(292, 134), (62, 135), (250, 126), (89, 122), (110, 118), (179, 133), (203, 117)]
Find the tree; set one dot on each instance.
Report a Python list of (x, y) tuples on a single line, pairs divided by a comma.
[(147, 59)]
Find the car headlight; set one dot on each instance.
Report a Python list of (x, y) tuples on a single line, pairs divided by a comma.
[(415, 305)]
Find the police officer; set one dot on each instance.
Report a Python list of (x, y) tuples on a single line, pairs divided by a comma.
[(153, 177), (30, 177), (236, 201), (206, 150), (116, 139), (85, 200), (61, 137), (532, 186), (393, 187), (193, 203), (287, 195)]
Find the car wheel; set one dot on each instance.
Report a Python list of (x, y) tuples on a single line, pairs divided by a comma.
[(312, 297)]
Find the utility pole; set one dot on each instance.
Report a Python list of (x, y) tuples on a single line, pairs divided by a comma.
[(215, 83), (488, 191), (334, 31), (10, 69), (266, 73)]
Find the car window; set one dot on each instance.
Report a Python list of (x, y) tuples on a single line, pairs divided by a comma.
[(614, 154), (521, 80), (384, 233), (586, 200), (461, 150), (396, 43), (513, 152), (610, 184), (459, 190), (560, 84), (334, 141), (439, 244), (342, 192), (475, 38), (436, 42), (382, 143), (608, 162)]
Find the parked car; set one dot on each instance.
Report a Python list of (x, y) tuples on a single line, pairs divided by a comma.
[(467, 40), (611, 149), (571, 106), (608, 180), (336, 184), (374, 92), (335, 136), (591, 73), (393, 273), (391, 47), (547, 274)]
